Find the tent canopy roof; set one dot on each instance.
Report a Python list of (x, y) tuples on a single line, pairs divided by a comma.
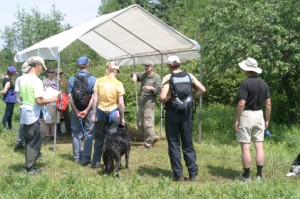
[(130, 36)]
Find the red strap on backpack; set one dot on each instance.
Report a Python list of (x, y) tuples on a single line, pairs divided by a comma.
[(62, 102)]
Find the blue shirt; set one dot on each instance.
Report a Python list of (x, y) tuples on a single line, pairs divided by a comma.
[(91, 80)]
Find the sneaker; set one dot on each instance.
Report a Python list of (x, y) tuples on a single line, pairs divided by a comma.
[(33, 171), (244, 179), (258, 178), (178, 178)]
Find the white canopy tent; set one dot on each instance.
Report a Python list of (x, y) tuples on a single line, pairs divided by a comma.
[(130, 36)]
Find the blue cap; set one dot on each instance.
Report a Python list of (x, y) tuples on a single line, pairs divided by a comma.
[(12, 69), (83, 60)]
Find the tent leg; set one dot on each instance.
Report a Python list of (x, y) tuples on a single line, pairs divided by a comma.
[(200, 106)]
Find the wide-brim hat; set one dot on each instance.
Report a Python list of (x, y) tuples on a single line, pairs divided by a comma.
[(250, 64)]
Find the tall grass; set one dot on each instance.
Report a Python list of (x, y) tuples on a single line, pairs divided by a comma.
[(149, 174)]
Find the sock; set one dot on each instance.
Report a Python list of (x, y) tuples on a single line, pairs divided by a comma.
[(259, 170), (246, 173)]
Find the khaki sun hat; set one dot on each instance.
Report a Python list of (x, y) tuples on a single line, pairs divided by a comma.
[(250, 64)]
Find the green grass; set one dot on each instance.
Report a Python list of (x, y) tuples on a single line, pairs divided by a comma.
[(150, 175)]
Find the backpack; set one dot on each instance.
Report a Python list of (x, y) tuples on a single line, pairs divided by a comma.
[(80, 91), (181, 89)]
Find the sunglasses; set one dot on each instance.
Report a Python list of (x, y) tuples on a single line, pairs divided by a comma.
[(51, 72)]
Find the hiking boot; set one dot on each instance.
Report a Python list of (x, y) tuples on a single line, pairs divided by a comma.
[(19, 147), (193, 178), (84, 164), (39, 155), (156, 139), (178, 178), (33, 171), (95, 165)]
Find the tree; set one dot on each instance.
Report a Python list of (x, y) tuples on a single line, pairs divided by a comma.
[(266, 30), (32, 27)]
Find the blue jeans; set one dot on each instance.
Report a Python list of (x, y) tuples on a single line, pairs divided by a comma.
[(179, 127), (83, 154), (107, 124)]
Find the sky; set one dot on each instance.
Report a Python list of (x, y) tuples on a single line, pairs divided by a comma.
[(75, 11)]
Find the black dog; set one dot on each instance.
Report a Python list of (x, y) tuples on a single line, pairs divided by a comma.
[(115, 146)]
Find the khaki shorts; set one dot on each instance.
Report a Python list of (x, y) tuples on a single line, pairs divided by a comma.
[(251, 127)]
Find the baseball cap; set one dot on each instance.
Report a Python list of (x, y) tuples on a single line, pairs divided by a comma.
[(172, 59), (83, 60), (25, 67), (115, 66), (12, 69), (32, 61)]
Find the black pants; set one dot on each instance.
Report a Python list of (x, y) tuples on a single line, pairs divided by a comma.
[(9, 110), (179, 127), (33, 143)]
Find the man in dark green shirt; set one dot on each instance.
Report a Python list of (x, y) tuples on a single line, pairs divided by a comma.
[(150, 87)]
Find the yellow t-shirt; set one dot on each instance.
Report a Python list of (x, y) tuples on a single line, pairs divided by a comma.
[(108, 90)]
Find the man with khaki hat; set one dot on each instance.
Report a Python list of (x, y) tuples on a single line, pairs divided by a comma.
[(150, 88), (31, 93), (250, 123)]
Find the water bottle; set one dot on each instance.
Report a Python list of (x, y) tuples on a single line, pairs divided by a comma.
[(267, 133)]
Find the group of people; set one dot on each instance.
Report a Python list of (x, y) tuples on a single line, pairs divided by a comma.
[(98, 110)]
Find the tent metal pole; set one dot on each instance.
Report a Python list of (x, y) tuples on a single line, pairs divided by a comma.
[(135, 88), (161, 105), (200, 106), (55, 116)]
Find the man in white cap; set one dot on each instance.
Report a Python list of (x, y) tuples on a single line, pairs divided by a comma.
[(179, 123), (250, 123), (31, 93), (150, 88)]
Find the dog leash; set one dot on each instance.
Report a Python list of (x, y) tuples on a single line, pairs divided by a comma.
[(81, 124)]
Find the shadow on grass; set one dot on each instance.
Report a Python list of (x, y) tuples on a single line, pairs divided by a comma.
[(67, 156), (221, 172), (154, 171), (19, 167)]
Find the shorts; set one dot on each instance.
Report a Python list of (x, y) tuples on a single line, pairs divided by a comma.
[(251, 127)]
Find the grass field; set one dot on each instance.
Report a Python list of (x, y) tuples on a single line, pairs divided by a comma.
[(150, 175)]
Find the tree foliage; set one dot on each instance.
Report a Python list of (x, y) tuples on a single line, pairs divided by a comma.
[(265, 30), (32, 27)]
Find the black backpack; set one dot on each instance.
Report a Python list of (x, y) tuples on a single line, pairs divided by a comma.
[(80, 91), (181, 89)]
